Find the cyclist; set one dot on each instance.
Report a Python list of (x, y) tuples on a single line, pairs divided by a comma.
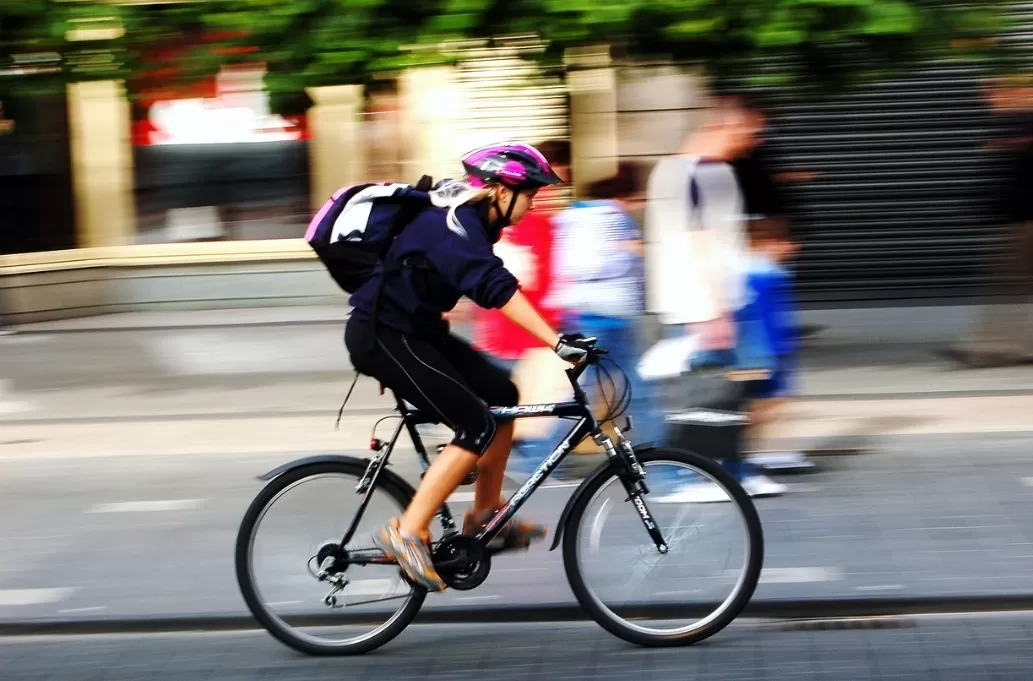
[(411, 351)]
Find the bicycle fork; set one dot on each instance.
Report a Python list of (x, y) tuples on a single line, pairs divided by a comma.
[(633, 478)]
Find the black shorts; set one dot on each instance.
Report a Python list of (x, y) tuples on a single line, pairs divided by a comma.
[(449, 380)]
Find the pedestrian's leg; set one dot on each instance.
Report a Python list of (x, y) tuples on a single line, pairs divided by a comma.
[(1003, 331), (5, 328)]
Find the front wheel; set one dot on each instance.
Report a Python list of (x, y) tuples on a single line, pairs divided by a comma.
[(706, 577)]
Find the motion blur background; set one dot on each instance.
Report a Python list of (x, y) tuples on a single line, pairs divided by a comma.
[(175, 335), (163, 123)]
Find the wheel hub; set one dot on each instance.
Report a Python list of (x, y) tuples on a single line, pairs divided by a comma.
[(462, 562), (333, 567)]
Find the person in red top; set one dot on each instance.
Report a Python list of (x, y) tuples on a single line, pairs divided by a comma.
[(526, 247), (527, 250)]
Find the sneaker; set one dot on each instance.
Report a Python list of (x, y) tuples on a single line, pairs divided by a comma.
[(516, 533), (762, 486), (412, 555), (704, 492), (781, 461)]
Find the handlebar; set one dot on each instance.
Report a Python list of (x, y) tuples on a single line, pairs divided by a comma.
[(594, 353), (594, 350)]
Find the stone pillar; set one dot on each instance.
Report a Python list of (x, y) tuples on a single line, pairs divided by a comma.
[(102, 163), (336, 154), (431, 113), (659, 105), (592, 83)]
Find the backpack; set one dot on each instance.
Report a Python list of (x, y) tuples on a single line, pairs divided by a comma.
[(357, 225)]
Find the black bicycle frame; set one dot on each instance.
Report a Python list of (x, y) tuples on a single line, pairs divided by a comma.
[(586, 425)]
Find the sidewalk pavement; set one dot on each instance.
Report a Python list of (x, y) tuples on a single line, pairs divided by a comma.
[(904, 323), (817, 427), (273, 379)]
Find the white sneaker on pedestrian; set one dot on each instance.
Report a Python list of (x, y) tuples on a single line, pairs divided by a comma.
[(780, 461), (763, 486), (695, 493)]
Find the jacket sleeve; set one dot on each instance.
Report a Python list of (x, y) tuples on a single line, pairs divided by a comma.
[(464, 257)]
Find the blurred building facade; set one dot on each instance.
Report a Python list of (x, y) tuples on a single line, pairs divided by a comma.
[(901, 207)]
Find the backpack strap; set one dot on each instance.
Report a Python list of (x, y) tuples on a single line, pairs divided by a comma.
[(408, 211)]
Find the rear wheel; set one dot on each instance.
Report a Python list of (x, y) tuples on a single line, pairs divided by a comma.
[(715, 551), (292, 526)]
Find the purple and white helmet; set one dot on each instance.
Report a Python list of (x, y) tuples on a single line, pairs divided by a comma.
[(513, 164)]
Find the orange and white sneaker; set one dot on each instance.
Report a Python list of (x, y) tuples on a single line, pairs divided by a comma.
[(411, 553), (516, 533)]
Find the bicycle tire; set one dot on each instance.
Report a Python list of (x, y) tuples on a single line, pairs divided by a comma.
[(388, 483), (610, 620)]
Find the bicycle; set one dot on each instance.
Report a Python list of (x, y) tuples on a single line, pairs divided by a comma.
[(464, 562)]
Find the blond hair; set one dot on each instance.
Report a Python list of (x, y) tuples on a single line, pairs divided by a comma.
[(455, 193)]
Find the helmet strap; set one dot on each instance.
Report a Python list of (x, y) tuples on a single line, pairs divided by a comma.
[(501, 220)]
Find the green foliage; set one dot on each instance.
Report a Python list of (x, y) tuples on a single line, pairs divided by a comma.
[(821, 42), (308, 43)]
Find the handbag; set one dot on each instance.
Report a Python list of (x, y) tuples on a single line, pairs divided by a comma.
[(705, 413)]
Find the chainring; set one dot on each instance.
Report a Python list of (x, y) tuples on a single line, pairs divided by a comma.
[(461, 562)]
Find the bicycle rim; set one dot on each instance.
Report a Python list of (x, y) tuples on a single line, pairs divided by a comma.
[(690, 593), (373, 606)]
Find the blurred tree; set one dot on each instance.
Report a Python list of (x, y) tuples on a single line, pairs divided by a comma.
[(45, 44), (27, 45), (307, 43), (826, 43), (777, 42)]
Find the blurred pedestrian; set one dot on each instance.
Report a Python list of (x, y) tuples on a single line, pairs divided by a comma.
[(527, 248), (600, 283), (1002, 333), (5, 328), (772, 245), (698, 258)]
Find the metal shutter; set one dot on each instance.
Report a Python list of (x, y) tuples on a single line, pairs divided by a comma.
[(901, 209), (904, 209), (507, 97)]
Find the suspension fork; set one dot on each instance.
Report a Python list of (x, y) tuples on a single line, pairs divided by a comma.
[(632, 476)]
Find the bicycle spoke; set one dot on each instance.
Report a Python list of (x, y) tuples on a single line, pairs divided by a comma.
[(297, 582), (685, 593)]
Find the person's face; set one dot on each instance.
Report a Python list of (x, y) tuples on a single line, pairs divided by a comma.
[(743, 133), (522, 201)]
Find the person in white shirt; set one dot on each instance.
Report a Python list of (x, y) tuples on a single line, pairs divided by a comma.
[(697, 254)]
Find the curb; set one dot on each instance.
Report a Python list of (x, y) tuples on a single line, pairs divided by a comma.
[(817, 609), (32, 330)]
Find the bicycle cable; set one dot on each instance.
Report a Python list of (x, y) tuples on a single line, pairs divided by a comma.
[(617, 408)]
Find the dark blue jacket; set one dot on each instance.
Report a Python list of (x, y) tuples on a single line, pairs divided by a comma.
[(461, 264)]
